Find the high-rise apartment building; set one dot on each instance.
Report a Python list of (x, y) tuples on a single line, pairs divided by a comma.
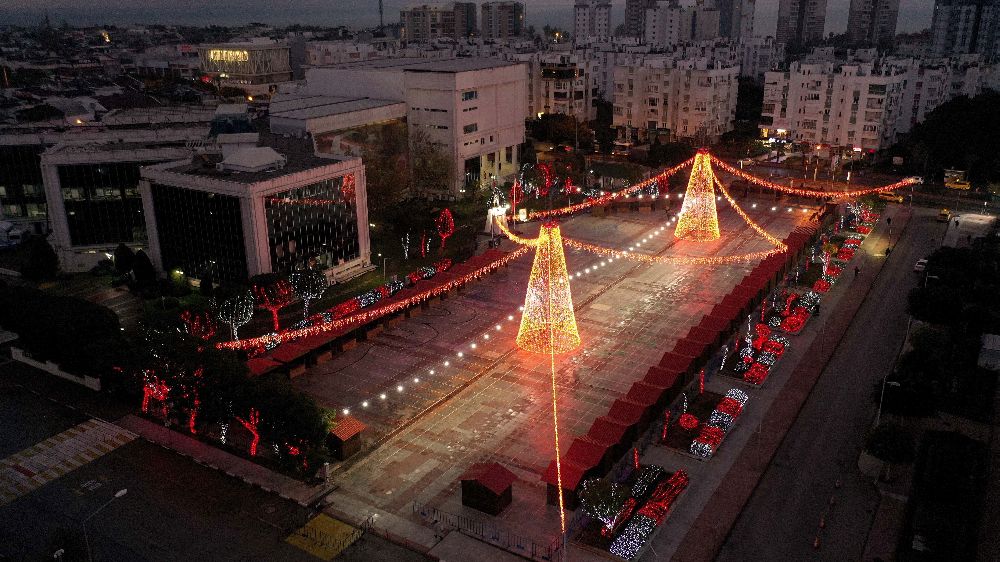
[(682, 99), (424, 22), (965, 26), (635, 16), (800, 22), (872, 22), (669, 23), (591, 20), (736, 18), (502, 20)]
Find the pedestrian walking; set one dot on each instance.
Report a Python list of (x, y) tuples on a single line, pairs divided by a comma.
[(857, 270)]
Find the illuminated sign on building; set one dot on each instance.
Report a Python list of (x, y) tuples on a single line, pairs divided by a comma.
[(226, 55)]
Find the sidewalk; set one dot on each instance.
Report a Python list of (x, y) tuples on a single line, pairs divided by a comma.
[(217, 459), (709, 530)]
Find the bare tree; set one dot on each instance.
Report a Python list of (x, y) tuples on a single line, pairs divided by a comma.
[(236, 311), (309, 284)]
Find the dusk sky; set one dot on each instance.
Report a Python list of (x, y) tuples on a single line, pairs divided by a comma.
[(914, 14)]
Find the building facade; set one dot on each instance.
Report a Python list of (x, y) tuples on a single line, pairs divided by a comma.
[(800, 22), (472, 109), (256, 67), (502, 20), (965, 26), (259, 210), (635, 16), (426, 22), (591, 21), (849, 106), (668, 23), (872, 22), (680, 99)]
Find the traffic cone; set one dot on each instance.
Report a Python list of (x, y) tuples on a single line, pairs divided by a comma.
[(698, 218), (548, 324)]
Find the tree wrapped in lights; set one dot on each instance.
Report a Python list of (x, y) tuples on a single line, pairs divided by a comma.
[(699, 219), (309, 285), (445, 224), (603, 500), (273, 293), (236, 312)]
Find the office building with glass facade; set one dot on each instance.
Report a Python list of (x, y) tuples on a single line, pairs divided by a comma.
[(93, 197), (261, 209)]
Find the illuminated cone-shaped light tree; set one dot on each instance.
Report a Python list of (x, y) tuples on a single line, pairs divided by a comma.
[(698, 219), (548, 324)]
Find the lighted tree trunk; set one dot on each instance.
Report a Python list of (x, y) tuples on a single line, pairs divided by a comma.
[(251, 423)]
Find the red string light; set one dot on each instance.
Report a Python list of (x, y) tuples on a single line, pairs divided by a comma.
[(251, 423), (810, 192), (605, 199), (369, 315)]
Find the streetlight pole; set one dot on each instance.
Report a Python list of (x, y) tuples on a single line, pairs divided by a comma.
[(86, 538), (878, 416)]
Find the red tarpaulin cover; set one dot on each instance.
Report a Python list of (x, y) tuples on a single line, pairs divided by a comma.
[(607, 431), (660, 376), (645, 393), (626, 411), (586, 452), (675, 362), (493, 476), (690, 347)]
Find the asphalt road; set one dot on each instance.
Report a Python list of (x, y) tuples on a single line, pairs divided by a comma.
[(175, 509), (782, 517)]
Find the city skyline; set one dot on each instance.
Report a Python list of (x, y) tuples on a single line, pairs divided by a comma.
[(914, 15)]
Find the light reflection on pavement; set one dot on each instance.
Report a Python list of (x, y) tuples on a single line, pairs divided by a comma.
[(628, 313)]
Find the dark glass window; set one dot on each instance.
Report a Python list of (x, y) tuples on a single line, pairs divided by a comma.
[(316, 222), (102, 202), (21, 179), (198, 230)]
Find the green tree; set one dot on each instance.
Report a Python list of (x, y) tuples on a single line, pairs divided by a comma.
[(40, 260), (891, 443), (432, 168), (124, 256)]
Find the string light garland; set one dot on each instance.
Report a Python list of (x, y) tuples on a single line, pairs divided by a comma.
[(760, 182), (609, 197), (699, 219), (364, 317)]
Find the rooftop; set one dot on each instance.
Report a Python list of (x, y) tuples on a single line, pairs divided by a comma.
[(453, 65), (299, 155), (304, 106)]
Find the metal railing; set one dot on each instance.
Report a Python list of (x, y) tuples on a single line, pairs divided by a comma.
[(489, 533)]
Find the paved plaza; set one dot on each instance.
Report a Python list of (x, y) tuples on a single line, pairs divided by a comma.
[(493, 403)]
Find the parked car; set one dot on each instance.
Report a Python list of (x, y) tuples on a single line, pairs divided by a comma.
[(894, 197), (921, 265), (944, 215)]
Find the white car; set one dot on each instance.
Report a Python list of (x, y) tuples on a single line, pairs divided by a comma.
[(921, 265)]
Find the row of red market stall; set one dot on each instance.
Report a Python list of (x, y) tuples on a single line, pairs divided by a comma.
[(592, 455), (296, 354)]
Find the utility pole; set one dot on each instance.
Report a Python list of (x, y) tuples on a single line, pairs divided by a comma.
[(381, 15)]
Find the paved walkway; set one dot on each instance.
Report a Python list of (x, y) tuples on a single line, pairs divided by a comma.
[(32, 468), (237, 467), (708, 531)]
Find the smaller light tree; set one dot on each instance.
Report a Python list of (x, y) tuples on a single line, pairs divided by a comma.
[(309, 285), (236, 311), (273, 293), (603, 500), (445, 224)]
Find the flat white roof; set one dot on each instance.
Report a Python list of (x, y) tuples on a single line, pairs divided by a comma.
[(303, 106)]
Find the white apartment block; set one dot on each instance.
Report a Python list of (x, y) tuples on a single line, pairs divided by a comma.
[(320, 53), (591, 21), (683, 99), (562, 83), (761, 54), (852, 105), (502, 19), (472, 108), (669, 23), (863, 105)]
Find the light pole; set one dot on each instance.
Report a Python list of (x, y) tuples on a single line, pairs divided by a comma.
[(384, 261), (86, 539), (885, 382)]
